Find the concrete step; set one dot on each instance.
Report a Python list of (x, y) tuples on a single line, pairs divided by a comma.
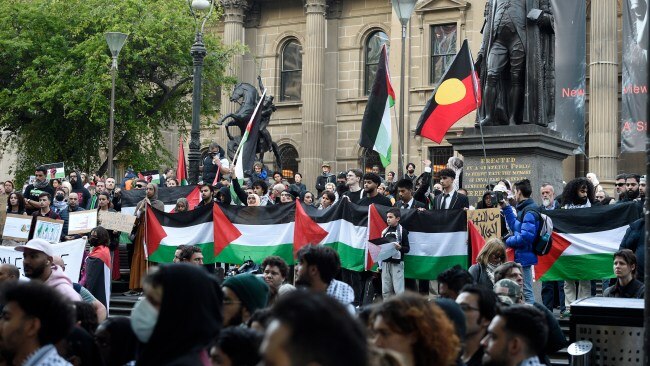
[(122, 305)]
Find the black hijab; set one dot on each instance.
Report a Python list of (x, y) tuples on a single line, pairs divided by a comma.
[(190, 316)]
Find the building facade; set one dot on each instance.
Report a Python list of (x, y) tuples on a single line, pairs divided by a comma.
[(318, 57)]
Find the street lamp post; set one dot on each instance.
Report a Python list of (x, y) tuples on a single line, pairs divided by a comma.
[(198, 52), (404, 9), (115, 42)]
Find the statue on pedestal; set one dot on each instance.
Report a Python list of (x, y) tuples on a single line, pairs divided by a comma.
[(516, 63), (247, 97)]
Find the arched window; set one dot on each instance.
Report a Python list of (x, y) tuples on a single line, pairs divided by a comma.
[(373, 51), (370, 158), (289, 159), (291, 71)]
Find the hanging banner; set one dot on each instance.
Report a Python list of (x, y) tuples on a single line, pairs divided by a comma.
[(570, 68), (634, 98), (72, 253)]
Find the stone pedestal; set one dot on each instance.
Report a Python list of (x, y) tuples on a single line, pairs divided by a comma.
[(513, 153)]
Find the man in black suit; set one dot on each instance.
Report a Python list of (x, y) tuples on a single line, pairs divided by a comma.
[(405, 191), (449, 199)]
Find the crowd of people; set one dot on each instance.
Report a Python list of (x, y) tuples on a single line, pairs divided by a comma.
[(311, 313)]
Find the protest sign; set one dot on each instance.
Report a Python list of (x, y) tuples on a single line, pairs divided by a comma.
[(55, 170), (72, 253), (116, 221), (82, 221), (48, 229), (488, 222), (16, 227)]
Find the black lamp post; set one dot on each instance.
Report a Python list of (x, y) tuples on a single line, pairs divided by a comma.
[(198, 52)]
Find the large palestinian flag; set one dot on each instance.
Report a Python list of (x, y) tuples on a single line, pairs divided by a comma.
[(98, 274), (584, 241), (456, 95), (168, 195), (438, 241), (234, 234), (376, 128)]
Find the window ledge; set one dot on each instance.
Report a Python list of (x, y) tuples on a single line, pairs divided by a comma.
[(289, 104)]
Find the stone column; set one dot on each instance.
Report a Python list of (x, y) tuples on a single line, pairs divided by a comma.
[(603, 92), (233, 32), (313, 86)]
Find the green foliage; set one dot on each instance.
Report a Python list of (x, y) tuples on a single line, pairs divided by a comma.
[(55, 79)]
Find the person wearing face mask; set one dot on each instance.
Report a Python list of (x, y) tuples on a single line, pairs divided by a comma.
[(60, 200), (97, 275), (169, 291)]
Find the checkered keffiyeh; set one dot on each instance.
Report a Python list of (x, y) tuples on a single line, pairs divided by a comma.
[(341, 291)]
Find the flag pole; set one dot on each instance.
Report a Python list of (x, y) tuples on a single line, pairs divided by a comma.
[(478, 113), (249, 122)]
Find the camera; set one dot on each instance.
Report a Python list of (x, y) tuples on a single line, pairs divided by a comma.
[(497, 197)]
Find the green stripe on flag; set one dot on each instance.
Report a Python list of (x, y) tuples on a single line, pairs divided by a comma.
[(351, 258), (237, 254), (581, 267), (428, 268)]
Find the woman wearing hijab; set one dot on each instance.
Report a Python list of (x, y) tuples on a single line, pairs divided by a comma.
[(138, 264), (253, 200), (182, 205), (166, 337), (116, 341)]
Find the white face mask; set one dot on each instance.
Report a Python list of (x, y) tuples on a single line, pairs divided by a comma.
[(144, 317), (546, 202)]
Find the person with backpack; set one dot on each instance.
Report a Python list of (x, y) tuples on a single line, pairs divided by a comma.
[(524, 227)]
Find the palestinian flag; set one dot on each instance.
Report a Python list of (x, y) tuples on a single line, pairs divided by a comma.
[(584, 241), (456, 95), (98, 274), (438, 241), (245, 155), (376, 133), (168, 195), (181, 171), (376, 226), (166, 231)]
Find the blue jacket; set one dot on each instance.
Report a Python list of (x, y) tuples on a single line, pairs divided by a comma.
[(524, 232)]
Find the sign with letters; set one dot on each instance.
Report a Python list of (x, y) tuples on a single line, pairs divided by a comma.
[(488, 222), (81, 222), (116, 221), (72, 253)]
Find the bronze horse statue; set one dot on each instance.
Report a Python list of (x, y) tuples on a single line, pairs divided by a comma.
[(247, 97)]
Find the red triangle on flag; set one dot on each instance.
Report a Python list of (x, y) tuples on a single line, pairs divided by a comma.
[(155, 232), (181, 172), (376, 225), (305, 231), (545, 262), (477, 241), (224, 230)]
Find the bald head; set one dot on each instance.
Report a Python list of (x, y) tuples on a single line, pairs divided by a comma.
[(9, 272)]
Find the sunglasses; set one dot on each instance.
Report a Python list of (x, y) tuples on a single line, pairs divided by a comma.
[(620, 184), (139, 186)]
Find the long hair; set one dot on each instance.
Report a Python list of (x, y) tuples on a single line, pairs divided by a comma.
[(436, 342), (21, 202), (570, 192)]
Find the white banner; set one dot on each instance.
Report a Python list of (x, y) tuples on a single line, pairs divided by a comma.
[(72, 253)]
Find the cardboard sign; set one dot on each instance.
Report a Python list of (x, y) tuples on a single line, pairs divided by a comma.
[(81, 222), (72, 253), (488, 221), (116, 221), (17, 227), (48, 229)]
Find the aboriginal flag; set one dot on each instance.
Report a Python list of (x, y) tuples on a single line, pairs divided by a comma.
[(455, 96)]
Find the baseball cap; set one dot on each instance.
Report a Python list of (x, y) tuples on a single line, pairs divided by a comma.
[(325, 163), (508, 291), (40, 245)]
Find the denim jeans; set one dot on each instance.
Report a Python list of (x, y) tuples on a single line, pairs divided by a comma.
[(548, 294), (529, 295)]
